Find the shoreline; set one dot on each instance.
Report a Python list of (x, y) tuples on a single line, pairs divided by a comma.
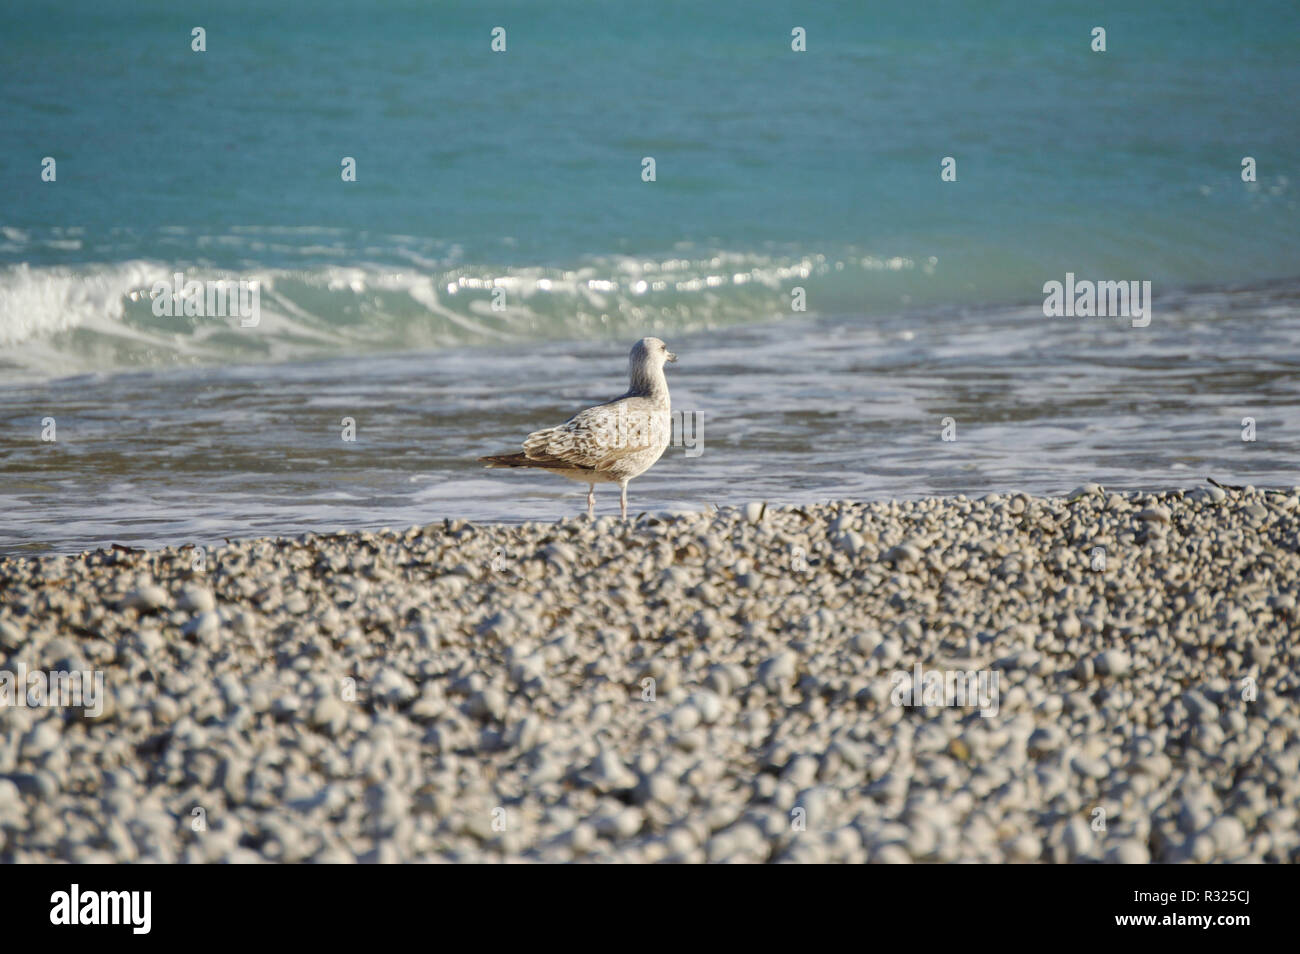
[(479, 692)]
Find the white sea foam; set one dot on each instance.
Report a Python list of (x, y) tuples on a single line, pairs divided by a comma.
[(63, 319)]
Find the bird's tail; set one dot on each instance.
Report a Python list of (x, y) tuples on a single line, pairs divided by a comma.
[(506, 460)]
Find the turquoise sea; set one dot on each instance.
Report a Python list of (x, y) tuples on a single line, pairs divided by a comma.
[(519, 173)]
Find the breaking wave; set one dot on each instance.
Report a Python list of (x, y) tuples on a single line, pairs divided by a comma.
[(57, 320)]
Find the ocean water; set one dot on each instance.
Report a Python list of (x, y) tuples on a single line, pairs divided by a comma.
[(519, 174)]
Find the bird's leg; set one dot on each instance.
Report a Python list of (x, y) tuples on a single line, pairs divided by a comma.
[(591, 501), (623, 498)]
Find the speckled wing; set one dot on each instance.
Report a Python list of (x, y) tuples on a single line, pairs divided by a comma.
[(597, 438)]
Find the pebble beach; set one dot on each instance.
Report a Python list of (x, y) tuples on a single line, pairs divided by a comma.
[(683, 687)]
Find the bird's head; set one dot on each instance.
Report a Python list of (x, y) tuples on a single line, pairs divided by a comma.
[(650, 353)]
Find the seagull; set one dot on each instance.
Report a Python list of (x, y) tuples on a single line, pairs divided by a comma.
[(612, 442)]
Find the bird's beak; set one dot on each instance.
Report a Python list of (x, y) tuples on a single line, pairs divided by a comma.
[(672, 357)]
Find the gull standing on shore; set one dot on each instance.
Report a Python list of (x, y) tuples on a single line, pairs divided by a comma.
[(611, 442)]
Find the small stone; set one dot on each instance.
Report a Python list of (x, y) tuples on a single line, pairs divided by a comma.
[(204, 626), (607, 773), (1112, 662), (1025, 847), (1156, 514), (1128, 852), (40, 741), (778, 671), (196, 599), (147, 598), (11, 637), (659, 787), (892, 854), (903, 555), (1086, 490), (329, 715), (1229, 834), (708, 705), (1090, 767), (850, 542), (1201, 708), (620, 825), (866, 643)]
